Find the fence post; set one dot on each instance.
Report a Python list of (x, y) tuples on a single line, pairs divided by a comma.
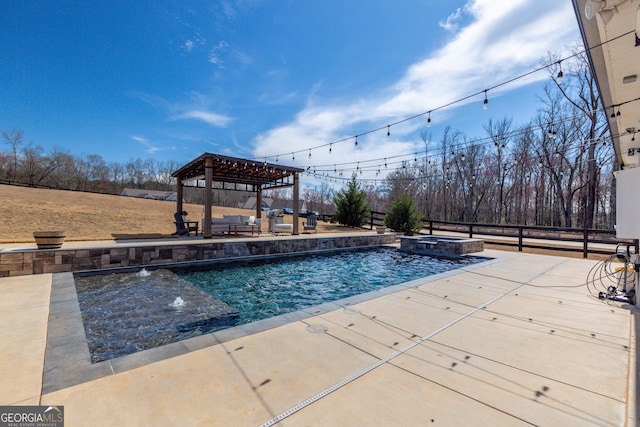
[(371, 220), (585, 242), (431, 228), (519, 238), (470, 231)]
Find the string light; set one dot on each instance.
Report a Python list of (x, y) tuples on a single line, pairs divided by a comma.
[(485, 104), (388, 131), (560, 76), (356, 140)]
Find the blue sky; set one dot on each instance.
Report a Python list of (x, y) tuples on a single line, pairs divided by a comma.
[(171, 79)]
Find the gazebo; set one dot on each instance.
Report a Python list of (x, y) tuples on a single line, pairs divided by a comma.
[(236, 174)]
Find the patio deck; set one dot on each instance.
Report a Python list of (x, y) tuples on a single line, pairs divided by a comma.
[(515, 341)]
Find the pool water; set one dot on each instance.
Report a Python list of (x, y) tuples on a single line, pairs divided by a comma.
[(263, 289), (124, 313)]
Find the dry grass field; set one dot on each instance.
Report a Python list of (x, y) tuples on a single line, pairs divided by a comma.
[(87, 216)]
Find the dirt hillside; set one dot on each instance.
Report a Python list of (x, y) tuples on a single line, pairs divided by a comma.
[(87, 216)]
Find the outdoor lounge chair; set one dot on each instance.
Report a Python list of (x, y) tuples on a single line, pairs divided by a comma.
[(184, 227), (311, 223)]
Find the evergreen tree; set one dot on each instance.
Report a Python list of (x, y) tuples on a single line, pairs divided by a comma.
[(352, 208), (403, 216)]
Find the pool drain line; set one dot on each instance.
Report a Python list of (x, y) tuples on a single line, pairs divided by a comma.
[(370, 368)]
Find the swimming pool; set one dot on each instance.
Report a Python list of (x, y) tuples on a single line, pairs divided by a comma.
[(128, 312), (259, 289)]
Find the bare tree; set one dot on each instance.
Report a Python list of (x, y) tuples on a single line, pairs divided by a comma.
[(13, 137)]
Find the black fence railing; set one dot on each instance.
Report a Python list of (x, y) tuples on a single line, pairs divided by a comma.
[(537, 237)]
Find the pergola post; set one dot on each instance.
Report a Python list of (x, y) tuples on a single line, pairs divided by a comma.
[(258, 202), (296, 207), (208, 188), (179, 196)]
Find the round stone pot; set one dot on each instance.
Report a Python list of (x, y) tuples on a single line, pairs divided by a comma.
[(49, 239)]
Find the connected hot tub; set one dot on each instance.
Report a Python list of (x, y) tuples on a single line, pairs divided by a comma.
[(441, 246)]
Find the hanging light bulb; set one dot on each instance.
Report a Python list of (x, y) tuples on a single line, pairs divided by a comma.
[(462, 157), (560, 76), (309, 152), (485, 104), (293, 156), (356, 140), (330, 145), (388, 132), (429, 120)]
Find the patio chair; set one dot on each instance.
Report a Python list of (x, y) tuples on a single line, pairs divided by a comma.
[(311, 223), (184, 227)]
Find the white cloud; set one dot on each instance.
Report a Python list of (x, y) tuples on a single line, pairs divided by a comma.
[(151, 148), (450, 23), (214, 119), (503, 39), (216, 51)]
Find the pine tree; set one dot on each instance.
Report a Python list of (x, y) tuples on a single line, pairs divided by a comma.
[(403, 216), (352, 208)]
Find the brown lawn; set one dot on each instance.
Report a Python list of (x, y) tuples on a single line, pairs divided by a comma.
[(88, 216)]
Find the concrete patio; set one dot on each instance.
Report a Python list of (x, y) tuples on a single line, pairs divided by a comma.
[(513, 341)]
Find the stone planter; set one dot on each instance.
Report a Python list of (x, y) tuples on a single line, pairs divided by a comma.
[(381, 230), (49, 239)]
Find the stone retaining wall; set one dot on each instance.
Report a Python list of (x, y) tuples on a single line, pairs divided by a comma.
[(31, 261)]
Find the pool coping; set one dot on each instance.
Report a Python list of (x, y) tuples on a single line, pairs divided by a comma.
[(68, 362)]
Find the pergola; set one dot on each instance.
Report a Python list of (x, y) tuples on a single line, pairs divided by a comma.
[(236, 174)]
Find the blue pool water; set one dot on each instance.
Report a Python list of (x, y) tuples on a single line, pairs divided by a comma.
[(263, 289), (124, 313)]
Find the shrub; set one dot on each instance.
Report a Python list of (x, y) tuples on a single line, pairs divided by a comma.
[(403, 216)]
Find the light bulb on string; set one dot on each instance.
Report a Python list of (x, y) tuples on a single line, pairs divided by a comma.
[(309, 153), (560, 75), (485, 104), (388, 131), (429, 119), (356, 140)]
